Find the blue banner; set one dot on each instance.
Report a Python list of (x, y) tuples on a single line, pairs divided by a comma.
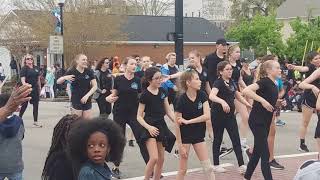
[(57, 14)]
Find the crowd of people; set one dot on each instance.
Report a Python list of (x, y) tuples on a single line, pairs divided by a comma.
[(202, 99)]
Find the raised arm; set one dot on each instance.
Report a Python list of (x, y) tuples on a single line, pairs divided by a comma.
[(298, 68), (241, 99), (202, 118), (213, 97), (250, 92), (306, 84)]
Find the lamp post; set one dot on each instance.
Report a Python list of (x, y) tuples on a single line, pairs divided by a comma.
[(178, 36), (61, 4)]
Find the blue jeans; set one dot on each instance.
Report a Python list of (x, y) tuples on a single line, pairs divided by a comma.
[(15, 176)]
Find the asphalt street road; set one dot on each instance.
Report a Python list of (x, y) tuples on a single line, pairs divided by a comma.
[(37, 141)]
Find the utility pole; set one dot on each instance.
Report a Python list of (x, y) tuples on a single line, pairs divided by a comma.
[(178, 35)]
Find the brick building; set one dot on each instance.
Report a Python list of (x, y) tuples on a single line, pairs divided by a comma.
[(145, 35)]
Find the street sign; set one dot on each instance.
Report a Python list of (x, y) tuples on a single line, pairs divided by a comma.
[(56, 45)]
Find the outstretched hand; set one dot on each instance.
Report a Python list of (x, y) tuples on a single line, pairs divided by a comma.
[(18, 96)]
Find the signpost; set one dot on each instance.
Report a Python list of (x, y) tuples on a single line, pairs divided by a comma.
[(56, 45)]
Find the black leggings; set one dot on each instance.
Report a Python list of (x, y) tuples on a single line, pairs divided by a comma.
[(35, 110), (104, 106), (136, 128), (260, 150), (230, 124)]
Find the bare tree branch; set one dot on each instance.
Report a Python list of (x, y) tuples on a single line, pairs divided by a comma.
[(84, 21), (152, 7)]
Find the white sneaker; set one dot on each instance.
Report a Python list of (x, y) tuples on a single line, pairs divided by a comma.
[(242, 169), (219, 169)]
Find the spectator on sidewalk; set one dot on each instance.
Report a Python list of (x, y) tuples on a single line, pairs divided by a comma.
[(50, 81), (13, 66)]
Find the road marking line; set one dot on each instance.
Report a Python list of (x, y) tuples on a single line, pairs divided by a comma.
[(176, 172), (296, 155), (228, 165)]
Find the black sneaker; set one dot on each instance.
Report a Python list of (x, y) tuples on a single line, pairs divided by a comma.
[(248, 154), (303, 148), (225, 151), (275, 165), (176, 153), (131, 143), (116, 173)]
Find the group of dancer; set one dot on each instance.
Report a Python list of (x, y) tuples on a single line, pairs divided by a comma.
[(205, 97)]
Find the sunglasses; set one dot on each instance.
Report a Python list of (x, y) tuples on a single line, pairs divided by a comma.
[(29, 58)]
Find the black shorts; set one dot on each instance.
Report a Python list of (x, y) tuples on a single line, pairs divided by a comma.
[(165, 135), (191, 140), (193, 133), (309, 100), (82, 107)]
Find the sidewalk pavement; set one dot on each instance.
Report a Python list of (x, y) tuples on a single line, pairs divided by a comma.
[(291, 163)]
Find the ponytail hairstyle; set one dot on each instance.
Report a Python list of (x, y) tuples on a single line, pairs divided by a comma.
[(232, 49), (263, 60), (148, 75), (221, 65), (310, 56), (187, 75), (263, 67)]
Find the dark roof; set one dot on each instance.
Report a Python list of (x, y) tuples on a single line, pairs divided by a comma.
[(155, 28), (298, 8)]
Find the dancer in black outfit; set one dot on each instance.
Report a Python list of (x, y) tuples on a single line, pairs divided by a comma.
[(265, 95), (222, 95), (156, 135), (124, 95), (83, 85), (195, 62), (309, 102), (192, 111), (312, 84), (31, 74), (104, 82)]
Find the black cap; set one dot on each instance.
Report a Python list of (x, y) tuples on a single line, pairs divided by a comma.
[(222, 41)]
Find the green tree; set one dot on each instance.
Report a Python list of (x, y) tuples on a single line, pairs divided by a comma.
[(246, 9), (303, 32), (262, 33)]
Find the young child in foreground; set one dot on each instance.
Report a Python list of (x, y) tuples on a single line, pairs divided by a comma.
[(93, 143)]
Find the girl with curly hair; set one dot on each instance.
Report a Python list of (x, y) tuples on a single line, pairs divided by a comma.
[(93, 143)]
